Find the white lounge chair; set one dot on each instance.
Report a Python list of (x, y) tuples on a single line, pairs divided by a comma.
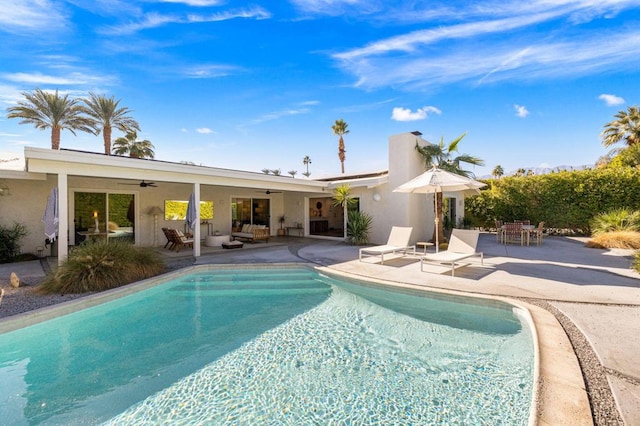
[(398, 242), (462, 245)]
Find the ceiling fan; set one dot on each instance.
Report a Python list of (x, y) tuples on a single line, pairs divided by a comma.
[(272, 192), (142, 184)]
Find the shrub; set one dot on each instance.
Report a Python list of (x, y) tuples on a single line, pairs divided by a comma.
[(636, 262), (10, 237), (616, 220), (101, 265), (616, 239), (358, 227)]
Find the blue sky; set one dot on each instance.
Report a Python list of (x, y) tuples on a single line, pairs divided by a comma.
[(253, 85)]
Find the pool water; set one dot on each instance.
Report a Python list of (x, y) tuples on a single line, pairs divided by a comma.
[(271, 346)]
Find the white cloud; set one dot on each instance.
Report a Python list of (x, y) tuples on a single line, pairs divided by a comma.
[(611, 100), (492, 50), (210, 71), (183, 130), (204, 130), (404, 114), (32, 15), (197, 3), (521, 110)]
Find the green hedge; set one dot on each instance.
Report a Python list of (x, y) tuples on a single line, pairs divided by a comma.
[(565, 200)]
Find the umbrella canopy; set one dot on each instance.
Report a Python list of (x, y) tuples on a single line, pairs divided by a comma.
[(50, 217), (192, 215), (438, 180)]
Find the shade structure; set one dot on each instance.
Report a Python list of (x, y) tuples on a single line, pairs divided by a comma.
[(437, 180), (192, 214), (50, 217)]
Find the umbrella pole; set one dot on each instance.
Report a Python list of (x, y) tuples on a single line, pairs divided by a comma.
[(436, 220)]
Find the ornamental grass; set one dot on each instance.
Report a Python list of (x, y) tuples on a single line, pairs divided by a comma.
[(615, 239), (101, 265)]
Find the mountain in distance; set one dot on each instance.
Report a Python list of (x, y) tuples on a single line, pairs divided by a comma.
[(543, 170)]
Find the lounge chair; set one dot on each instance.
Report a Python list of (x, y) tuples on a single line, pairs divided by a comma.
[(398, 242), (178, 239), (462, 245)]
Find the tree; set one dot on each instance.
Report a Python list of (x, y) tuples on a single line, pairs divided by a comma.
[(497, 171), (293, 173), (443, 157), (342, 198), (306, 161), (626, 126), (135, 149), (46, 110), (340, 129), (107, 114)]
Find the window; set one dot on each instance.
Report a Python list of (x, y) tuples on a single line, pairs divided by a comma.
[(177, 210), (253, 211)]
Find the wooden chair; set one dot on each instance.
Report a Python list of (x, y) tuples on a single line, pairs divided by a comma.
[(169, 243), (178, 240), (538, 232), (513, 233)]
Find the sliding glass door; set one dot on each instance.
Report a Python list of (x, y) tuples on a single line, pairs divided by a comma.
[(104, 215), (252, 211)]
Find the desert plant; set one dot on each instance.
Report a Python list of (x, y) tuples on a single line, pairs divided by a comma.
[(615, 239), (101, 265), (616, 220), (358, 227), (636, 262), (10, 237)]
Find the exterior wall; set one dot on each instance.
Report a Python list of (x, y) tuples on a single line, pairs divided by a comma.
[(400, 209), (25, 204)]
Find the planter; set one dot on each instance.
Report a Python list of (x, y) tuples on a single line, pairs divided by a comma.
[(281, 233)]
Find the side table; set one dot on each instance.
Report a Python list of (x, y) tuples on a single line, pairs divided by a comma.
[(424, 245)]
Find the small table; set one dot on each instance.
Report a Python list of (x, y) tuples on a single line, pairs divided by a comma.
[(424, 245), (298, 229), (216, 240)]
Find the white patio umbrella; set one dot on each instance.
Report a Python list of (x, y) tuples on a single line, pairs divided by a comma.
[(437, 180), (192, 215), (50, 217)]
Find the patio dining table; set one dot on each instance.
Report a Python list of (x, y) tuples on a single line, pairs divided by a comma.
[(525, 233)]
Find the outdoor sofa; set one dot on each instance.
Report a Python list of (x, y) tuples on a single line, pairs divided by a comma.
[(252, 233)]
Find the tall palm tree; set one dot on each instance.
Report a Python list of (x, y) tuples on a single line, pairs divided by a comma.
[(46, 110), (107, 114), (443, 157), (497, 171), (626, 126), (340, 129), (306, 161), (135, 149)]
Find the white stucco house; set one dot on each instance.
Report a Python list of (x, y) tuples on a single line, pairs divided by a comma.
[(114, 191)]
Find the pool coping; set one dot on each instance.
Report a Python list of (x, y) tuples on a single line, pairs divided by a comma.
[(559, 396)]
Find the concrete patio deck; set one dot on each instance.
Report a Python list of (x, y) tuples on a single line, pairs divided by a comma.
[(595, 289)]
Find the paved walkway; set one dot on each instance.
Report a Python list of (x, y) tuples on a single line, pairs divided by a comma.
[(595, 289)]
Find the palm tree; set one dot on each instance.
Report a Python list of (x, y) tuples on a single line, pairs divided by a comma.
[(342, 198), (293, 173), (442, 156), (47, 110), (107, 114), (135, 149), (626, 126), (497, 172), (306, 161), (340, 129)]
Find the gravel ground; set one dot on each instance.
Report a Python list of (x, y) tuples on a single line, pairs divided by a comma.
[(604, 410)]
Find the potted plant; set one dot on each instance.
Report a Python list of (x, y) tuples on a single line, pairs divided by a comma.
[(281, 220)]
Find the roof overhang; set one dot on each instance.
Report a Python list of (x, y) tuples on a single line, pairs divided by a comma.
[(78, 163)]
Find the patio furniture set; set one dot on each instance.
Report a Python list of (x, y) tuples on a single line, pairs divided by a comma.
[(519, 232)]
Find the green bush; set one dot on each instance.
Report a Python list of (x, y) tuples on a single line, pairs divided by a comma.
[(101, 265), (616, 220), (636, 262), (565, 200), (358, 227), (10, 237)]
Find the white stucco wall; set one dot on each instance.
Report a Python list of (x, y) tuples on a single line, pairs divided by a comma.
[(395, 208)]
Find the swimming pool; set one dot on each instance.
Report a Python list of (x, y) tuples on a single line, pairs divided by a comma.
[(271, 346)]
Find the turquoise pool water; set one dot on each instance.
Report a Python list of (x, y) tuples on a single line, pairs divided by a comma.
[(271, 346)]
